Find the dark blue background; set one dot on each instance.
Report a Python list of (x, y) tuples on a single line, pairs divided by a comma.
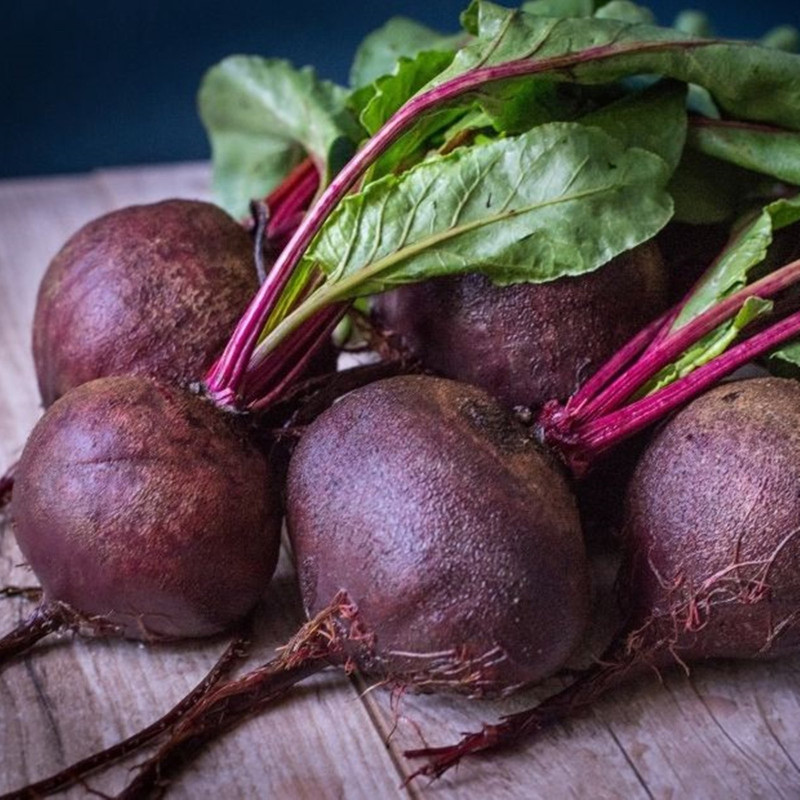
[(89, 83)]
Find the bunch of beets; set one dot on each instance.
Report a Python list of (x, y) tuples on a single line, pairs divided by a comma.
[(519, 216)]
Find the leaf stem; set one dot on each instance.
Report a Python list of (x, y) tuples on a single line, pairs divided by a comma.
[(600, 435), (676, 342)]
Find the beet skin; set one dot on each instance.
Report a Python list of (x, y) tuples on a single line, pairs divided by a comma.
[(528, 343), (713, 524), (145, 505), (148, 290), (451, 531)]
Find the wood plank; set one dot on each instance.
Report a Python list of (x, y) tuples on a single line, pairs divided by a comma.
[(68, 699)]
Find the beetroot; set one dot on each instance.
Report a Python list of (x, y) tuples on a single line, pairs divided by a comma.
[(147, 290), (528, 343), (144, 506), (712, 546), (453, 593), (713, 514)]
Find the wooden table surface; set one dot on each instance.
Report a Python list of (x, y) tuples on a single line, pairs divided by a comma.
[(729, 731)]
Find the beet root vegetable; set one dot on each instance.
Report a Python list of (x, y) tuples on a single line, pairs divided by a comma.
[(528, 343), (712, 552), (454, 594), (142, 508), (148, 290)]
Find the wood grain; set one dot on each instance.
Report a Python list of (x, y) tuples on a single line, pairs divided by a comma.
[(729, 730)]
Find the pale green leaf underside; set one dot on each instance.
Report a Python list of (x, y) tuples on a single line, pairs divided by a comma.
[(560, 200), (262, 117)]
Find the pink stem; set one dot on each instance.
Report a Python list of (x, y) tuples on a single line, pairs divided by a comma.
[(226, 376), (678, 341), (285, 204), (293, 204), (579, 405), (303, 346), (297, 177), (622, 358), (594, 438)]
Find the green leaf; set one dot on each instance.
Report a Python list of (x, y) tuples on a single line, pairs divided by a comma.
[(653, 119), (560, 8), (748, 249), (262, 117), (771, 151), (376, 103), (562, 199), (398, 38), (785, 361), (746, 81), (625, 11)]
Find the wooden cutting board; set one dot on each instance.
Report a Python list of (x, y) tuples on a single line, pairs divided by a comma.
[(727, 731)]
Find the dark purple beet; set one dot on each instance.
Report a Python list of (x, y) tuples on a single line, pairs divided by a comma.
[(452, 532), (147, 290), (143, 504), (528, 343), (713, 523), (712, 545)]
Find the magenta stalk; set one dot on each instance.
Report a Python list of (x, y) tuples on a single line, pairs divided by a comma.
[(674, 344), (594, 438)]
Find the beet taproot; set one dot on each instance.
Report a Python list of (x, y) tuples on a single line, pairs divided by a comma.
[(144, 506), (528, 343), (712, 553), (463, 551), (713, 520), (148, 290)]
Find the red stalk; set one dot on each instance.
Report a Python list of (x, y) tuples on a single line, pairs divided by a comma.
[(283, 213), (676, 342), (600, 435), (285, 206), (300, 349), (289, 186)]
